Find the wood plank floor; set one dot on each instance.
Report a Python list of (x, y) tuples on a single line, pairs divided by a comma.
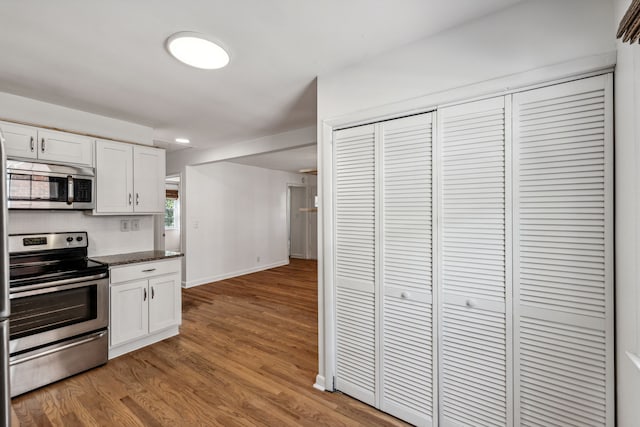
[(246, 356)]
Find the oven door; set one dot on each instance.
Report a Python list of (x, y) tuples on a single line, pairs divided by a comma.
[(49, 312)]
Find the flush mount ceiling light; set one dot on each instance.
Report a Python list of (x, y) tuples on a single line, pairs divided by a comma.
[(197, 50), (182, 140)]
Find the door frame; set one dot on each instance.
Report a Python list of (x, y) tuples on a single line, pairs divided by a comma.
[(306, 228), (531, 79), (159, 230)]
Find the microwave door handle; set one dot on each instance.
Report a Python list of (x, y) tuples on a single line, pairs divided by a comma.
[(69, 190)]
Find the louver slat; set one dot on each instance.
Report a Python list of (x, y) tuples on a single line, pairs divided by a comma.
[(562, 246), (474, 358), (407, 346), (354, 158)]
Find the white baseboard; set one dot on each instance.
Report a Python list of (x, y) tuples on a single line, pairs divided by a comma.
[(143, 342), (319, 385), (218, 277)]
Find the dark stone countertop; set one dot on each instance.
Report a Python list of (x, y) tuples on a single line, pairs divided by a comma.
[(134, 257)]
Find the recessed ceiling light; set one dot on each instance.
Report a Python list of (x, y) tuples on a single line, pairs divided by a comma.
[(182, 140), (197, 50)]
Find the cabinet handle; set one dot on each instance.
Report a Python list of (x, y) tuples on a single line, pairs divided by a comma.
[(130, 199), (148, 270), (31, 144), (144, 298), (470, 303), (137, 199), (42, 145), (404, 295), (153, 293), (69, 190)]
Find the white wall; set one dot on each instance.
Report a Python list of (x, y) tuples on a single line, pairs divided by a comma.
[(172, 240), (233, 215), (105, 237), (524, 37), (531, 42), (627, 158), (18, 108)]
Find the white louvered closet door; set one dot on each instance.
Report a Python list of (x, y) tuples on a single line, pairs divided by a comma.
[(355, 271), (407, 388), (563, 264), (475, 269)]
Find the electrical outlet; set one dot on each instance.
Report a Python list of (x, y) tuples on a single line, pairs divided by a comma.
[(124, 225), (135, 224), (257, 259)]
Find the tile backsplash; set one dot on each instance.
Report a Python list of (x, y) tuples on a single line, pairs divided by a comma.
[(105, 237)]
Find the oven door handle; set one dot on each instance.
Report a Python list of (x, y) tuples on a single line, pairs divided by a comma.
[(59, 285), (79, 341)]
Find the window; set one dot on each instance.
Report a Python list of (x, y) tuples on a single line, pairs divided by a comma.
[(171, 210), (170, 213)]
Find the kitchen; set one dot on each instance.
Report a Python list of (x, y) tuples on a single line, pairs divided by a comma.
[(338, 66)]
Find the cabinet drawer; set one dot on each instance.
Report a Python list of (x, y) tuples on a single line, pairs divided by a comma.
[(144, 270)]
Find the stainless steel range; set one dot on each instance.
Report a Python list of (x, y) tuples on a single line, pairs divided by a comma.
[(59, 309)]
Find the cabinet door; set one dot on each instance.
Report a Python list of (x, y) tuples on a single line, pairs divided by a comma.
[(164, 302), (407, 389), (129, 318), (355, 271), (149, 173), (475, 276), (20, 141), (563, 252), (114, 177), (61, 147)]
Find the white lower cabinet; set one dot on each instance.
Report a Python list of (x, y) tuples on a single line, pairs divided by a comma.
[(473, 276), (129, 312), (145, 304)]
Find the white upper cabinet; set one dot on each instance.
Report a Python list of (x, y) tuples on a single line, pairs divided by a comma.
[(62, 147), (114, 183), (28, 142), (148, 179), (129, 178), (21, 141)]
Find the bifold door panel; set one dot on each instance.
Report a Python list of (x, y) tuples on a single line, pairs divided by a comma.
[(563, 254), (475, 354), (383, 235)]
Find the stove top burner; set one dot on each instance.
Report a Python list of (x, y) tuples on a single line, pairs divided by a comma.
[(27, 274), (51, 257)]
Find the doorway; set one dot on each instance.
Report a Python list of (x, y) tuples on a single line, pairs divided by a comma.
[(167, 225), (297, 201)]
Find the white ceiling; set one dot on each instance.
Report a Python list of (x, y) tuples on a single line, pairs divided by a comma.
[(108, 57)]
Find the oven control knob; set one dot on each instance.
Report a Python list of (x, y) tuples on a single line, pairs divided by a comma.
[(79, 238), (69, 239)]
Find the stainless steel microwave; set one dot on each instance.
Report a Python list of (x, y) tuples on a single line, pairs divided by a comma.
[(48, 186)]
